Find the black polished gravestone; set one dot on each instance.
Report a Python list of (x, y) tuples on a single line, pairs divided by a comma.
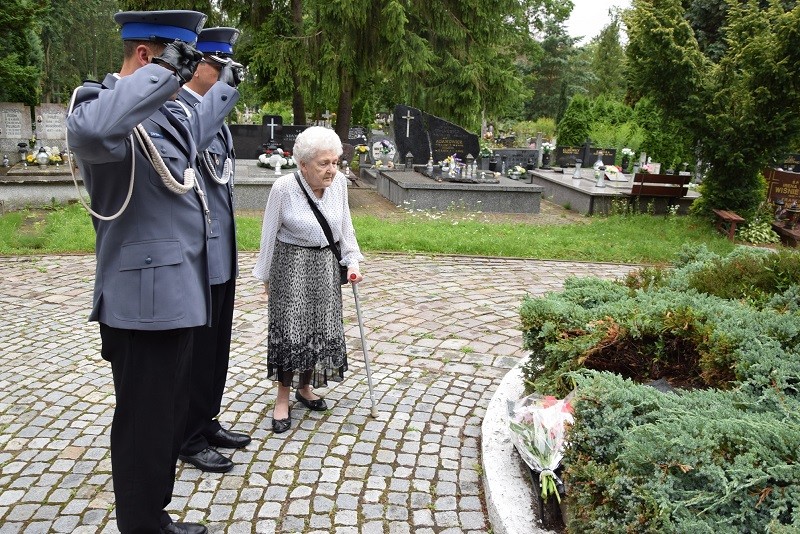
[(422, 134), (565, 156), (410, 133), (272, 126), (288, 135), (248, 140), (357, 135)]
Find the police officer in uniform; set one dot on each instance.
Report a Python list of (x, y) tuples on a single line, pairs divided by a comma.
[(212, 344), (152, 223)]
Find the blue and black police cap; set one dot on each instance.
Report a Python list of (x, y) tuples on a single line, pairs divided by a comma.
[(160, 26), (217, 41)]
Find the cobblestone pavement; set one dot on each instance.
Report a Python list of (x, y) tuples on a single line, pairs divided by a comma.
[(441, 331)]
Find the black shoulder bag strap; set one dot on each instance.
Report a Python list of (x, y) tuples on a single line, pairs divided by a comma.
[(323, 222)]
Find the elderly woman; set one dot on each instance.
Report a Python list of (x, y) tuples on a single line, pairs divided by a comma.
[(301, 276)]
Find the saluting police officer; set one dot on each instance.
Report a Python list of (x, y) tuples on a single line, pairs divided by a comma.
[(152, 223), (216, 164)]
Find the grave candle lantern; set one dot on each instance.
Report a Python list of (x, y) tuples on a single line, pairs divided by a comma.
[(42, 158)]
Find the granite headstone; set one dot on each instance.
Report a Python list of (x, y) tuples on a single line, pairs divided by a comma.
[(783, 185), (248, 140), (422, 134), (272, 125), (51, 124), (382, 148), (288, 135), (15, 127), (357, 135)]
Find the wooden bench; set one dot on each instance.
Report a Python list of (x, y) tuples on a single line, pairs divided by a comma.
[(670, 186), (727, 221)]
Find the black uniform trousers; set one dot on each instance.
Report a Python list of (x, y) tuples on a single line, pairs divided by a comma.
[(212, 347), (151, 371)]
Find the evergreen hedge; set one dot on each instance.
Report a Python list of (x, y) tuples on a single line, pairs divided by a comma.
[(718, 451)]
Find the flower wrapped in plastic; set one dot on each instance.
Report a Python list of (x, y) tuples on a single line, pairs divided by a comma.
[(538, 430)]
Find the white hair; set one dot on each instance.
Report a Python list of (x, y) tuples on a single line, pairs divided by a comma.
[(314, 140)]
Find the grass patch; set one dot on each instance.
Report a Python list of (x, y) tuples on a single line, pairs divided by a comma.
[(618, 239)]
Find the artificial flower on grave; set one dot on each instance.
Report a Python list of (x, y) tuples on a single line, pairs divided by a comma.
[(278, 157), (538, 427), (547, 147), (627, 152), (362, 149), (378, 164), (517, 170)]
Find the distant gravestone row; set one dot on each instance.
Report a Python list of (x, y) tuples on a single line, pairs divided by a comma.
[(16, 126), (566, 156)]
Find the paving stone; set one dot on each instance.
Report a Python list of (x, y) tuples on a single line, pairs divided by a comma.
[(412, 469)]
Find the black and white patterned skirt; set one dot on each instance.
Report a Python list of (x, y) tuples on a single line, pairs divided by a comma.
[(306, 331)]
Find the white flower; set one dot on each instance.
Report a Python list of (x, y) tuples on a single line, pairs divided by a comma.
[(627, 151)]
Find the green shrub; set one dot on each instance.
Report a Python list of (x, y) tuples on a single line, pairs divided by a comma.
[(718, 453), (701, 461)]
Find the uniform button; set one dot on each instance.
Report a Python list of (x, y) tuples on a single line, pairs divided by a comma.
[(224, 98), (154, 79), (148, 260)]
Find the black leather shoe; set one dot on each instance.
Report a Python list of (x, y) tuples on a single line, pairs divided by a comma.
[(279, 426), (228, 440), (184, 528), (318, 405), (208, 460)]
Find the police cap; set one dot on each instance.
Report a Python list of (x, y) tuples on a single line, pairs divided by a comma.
[(217, 41), (161, 26)]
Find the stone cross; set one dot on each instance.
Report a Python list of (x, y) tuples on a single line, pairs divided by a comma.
[(326, 116), (408, 117), (272, 126)]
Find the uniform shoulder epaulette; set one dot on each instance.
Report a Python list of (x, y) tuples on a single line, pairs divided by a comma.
[(92, 83)]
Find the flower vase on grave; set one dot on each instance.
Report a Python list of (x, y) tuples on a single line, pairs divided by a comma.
[(546, 160), (625, 162)]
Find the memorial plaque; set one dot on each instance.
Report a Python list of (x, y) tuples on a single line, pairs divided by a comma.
[(51, 124), (15, 127), (783, 185)]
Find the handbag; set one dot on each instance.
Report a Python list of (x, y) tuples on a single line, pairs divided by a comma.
[(326, 229)]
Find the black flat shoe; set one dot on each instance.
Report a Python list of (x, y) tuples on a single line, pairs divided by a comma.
[(228, 440), (208, 460), (317, 405), (279, 426), (184, 528)]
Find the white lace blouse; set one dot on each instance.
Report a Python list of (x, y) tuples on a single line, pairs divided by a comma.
[(289, 219)]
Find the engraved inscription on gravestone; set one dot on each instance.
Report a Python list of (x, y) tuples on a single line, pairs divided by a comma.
[(357, 135), (50, 122), (15, 127), (783, 185)]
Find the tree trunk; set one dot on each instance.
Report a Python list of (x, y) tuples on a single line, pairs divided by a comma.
[(344, 113), (298, 102)]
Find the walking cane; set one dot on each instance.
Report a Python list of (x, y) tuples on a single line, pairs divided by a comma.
[(374, 410)]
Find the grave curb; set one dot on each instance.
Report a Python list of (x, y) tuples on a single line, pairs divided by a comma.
[(507, 489)]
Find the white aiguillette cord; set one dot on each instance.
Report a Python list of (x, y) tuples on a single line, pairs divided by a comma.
[(151, 152), (208, 163)]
